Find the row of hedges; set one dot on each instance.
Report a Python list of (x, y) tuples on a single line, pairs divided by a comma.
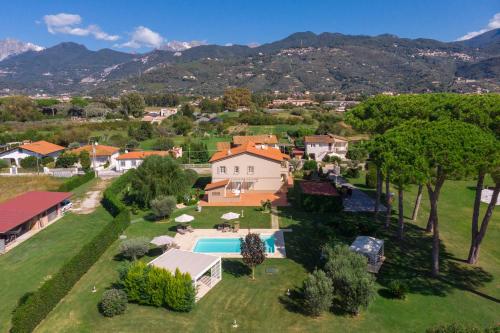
[(149, 285), (76, 181), (111, 196), (32, 309)]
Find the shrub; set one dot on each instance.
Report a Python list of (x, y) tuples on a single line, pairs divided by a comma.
[(155, 286), (353, 286), (75, 182), (29, 162), (134, 247), (114, 302), (47, 160), (310, 165), (397, 289), (352, 172), (85, 160), (163, 206), (66, 160), (4, 164), (314, 203), (318, 293)]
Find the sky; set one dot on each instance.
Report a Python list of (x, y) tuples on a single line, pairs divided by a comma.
[(137, 26)]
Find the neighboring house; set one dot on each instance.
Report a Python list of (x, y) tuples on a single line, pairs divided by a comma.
[(292, 101), (246, 168), (21, 217), (319, 146), (100, 155), (39, 149), (133, 159)]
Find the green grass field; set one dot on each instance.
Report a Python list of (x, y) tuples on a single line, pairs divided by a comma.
[(463, 294), (27, 266)]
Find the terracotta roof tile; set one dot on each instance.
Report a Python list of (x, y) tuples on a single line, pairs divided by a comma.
[(100, 150), (223, 145), (327, 138), (318, 188), (42, 147), (218, 184), (139, 155), (249, 148)]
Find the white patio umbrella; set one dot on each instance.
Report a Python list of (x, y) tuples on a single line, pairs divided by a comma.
[(184, 218), (230, 216), (162, 240)]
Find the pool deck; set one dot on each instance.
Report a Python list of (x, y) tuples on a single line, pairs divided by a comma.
[(188, 240)]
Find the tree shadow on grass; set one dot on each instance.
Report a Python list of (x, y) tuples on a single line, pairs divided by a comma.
[(236, 268), (408, 260), (293, 302)]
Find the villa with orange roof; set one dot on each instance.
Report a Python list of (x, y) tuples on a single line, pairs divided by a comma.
[(245, 169), (100, 155), (132, 160), (38, 149)]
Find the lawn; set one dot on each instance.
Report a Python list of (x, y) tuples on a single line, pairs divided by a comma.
[(15, 185), (27, 266), (209, 217), (462, 294)]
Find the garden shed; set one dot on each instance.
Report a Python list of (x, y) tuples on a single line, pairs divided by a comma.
[(205, 270), (372, 248)]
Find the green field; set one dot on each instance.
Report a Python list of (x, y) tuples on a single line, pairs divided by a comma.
[(27, 266), (462, 294)]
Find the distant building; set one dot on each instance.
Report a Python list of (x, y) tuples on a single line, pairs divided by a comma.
[(38, 149), (260, 141), (318, 146), (341, 106), (291, 101), (100, 155), (132, 160)]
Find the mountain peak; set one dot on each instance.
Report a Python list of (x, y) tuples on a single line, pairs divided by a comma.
[(10, 47)]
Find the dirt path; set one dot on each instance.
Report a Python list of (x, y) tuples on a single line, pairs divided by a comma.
[(91, 200)]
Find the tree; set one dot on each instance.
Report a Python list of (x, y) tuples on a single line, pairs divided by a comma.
[(187, 110), (114, 302), (66, 160), (158, 176), (479, 231), (163, 206), (79, 102), (85, 161), (353, 286), (164, 144), (236, 98), (310, 165), (253, 251), (450, 149), (133, 104), (142, 132), (400, 154), (317, 290), (134, 247), (182, 125), (29, 162)]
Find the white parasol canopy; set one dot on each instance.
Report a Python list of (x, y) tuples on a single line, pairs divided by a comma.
[(162, 240), (230, 216), (184, 218)]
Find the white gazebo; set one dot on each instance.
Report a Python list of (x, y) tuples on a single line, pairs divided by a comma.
[(372, 248), (205, 270)]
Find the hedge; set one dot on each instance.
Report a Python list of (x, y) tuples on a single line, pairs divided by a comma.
[(32, 309), (75, 182), (110, 199), (314, 203)]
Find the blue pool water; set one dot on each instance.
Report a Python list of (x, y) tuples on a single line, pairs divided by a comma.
[(228, 245)]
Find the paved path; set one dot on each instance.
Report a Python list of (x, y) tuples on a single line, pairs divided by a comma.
[(275, 224), (91, 200)]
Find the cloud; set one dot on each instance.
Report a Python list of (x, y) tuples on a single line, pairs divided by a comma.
[(68, 24), (494, 23), (143, 37)]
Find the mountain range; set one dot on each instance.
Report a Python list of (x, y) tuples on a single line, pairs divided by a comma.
[(326, 62), (9, 47)]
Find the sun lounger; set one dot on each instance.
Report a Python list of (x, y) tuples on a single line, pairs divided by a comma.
[(189, 228), (236, 227), (182, 231)]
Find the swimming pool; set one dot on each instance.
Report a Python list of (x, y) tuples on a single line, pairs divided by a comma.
[(228, 245)]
